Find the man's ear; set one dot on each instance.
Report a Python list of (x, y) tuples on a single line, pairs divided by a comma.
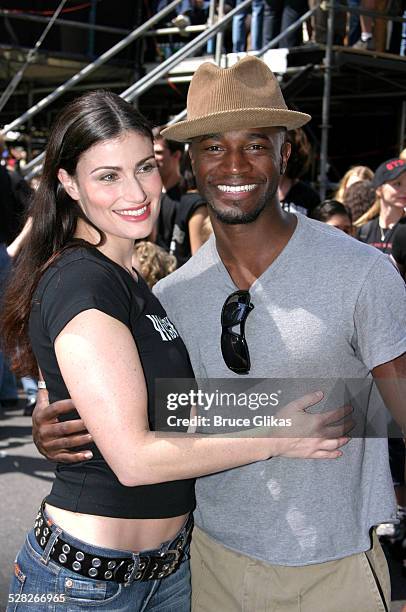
[(69, 184), (286, 149)]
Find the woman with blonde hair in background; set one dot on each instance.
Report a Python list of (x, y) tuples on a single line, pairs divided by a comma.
[(354, 174)]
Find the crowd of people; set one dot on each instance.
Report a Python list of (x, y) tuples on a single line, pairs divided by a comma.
[(253, 278), (255, 27)]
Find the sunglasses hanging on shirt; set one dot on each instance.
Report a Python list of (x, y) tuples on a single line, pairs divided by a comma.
[(234, 346)]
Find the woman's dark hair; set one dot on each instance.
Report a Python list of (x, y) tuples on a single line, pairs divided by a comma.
[(327, 209), (94, 117)]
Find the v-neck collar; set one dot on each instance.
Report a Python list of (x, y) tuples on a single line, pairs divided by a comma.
[(272, 267)]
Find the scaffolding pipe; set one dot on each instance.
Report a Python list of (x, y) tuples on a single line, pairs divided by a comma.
[(179, 117), (12, 86), (325, 125), (149, 79), (63, 22), (33, 167), (89, 68)]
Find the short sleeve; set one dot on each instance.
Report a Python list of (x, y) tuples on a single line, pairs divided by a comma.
[(189, 203), (81, 285), (380, 315)]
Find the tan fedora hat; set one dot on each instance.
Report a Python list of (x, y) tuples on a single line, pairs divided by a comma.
[(246, 95)]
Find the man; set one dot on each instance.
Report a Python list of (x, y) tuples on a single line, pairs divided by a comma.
[(182, 214), (286, 535)]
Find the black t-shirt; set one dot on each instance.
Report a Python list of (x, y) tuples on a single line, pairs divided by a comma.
[(177, 207), (300, 198), (180, 241), (82, 279), (382, 239), (167, 214), (399, 246)]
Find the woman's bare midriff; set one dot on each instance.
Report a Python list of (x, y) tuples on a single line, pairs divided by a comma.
[(116, 533)]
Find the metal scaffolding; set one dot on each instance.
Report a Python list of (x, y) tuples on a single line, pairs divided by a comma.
[(212, 29)]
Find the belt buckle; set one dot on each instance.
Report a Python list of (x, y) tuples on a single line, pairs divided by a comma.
[(172, 564)]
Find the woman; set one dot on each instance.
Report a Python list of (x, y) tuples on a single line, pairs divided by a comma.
[(101, 338), (353, 175), (382, 222), (295, 195), (333, 213)]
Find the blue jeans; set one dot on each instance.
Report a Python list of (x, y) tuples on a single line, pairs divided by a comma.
[(256, 27), (63, 590), (354, 30), (280, 14)]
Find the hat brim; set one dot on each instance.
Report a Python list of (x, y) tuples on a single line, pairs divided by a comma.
[(242, 118)]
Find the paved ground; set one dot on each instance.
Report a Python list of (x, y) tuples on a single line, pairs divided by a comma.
[(24, 480)]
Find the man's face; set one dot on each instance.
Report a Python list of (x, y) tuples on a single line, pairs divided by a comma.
[(162, 154), (393, 193), (238, 172)]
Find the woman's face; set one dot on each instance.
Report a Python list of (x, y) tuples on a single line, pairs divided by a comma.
[(118, 186), (393, 193), (341, 222)]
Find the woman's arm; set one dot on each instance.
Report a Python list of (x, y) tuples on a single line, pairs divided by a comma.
[(101, 368), (14, 248)]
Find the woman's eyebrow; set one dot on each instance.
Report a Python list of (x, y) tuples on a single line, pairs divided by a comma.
[(139, 163)]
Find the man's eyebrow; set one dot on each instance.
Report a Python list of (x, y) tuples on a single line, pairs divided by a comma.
[(142, 161), (262, 135), (207, 137)]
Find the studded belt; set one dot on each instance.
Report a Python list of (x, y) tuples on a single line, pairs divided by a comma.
[(120, 569)]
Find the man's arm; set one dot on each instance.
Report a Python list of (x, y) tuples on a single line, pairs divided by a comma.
[(390, 378), (55, 440)]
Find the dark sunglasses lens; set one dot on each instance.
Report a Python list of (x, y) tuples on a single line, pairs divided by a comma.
[(235, 310), (235, 353)]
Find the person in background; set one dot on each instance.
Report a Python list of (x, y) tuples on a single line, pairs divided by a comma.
[(295, 195), (399, 251), (183, 210), (319, 25), (366, 41), (239, 32), (278, 15), (333, 213), (354, 174), (358, 198), (15, 198), (383, 227), (353, 23), (382, 221)]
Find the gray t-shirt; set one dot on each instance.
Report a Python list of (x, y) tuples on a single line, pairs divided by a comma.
[(328, 307)]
